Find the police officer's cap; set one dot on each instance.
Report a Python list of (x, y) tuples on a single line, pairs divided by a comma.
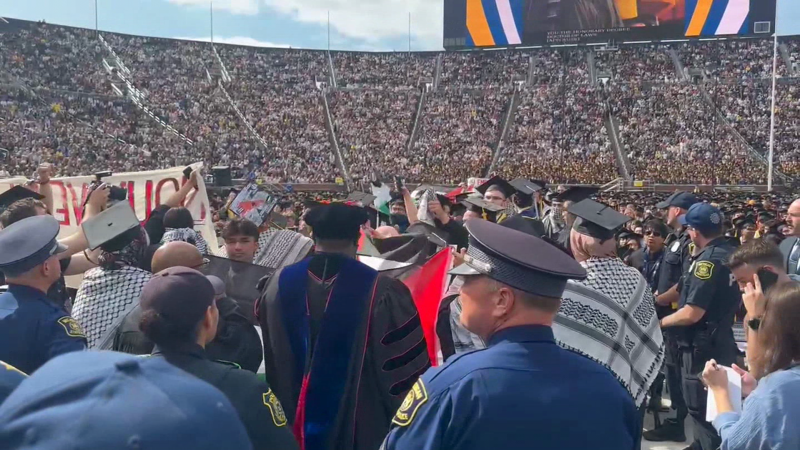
[(681, 199), (703, 217), (336, 221), (116, 401), (517, 259), (596, 219), (28, 243)]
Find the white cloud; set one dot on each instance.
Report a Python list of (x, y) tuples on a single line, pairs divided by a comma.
[(236, 40), (371, 20), (248, 7)]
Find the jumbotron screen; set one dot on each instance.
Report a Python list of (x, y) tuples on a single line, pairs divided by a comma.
[(501, 23)]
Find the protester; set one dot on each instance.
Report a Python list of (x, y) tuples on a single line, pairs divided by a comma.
[(772, 387), (632, 351), (511, 293), (80, 398), (108, 290), (368, 348)]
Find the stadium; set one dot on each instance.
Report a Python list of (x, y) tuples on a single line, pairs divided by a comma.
[(693, 112)]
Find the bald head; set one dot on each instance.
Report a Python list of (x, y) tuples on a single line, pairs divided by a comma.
[(176, 254), (794, 217)]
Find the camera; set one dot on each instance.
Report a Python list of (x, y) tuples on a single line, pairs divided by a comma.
[(115, 194)]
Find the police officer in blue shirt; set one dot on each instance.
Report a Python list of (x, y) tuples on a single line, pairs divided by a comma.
[(33, 329), (523, 391), (709, 299)]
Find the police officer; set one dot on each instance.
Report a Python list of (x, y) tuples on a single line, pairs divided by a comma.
[(523, 390), (33, 328), (109, 400), (675, 262), (709, 299), (180, 316)]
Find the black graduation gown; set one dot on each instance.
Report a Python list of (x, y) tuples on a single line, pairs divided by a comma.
[(392, 345)]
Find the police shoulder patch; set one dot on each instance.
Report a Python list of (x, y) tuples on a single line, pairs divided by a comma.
[(72, 327), (275, 409), (703, 270), (416, 397)]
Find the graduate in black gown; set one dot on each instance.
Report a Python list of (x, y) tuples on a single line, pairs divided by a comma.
[(342, 344)]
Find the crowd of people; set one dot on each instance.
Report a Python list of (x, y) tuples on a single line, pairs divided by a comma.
[(307, 346), (559, 134), (89, 102)]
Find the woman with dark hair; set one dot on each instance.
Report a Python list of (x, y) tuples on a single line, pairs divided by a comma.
[(770, 418), (179, 226)]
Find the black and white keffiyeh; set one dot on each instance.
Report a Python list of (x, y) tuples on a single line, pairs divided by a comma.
[(104, 295), (279, 248), (610, 317), (186, 235)]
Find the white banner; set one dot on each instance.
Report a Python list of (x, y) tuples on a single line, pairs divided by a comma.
[(146, 190)]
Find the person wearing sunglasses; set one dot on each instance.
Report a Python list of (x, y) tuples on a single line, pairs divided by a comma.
[(770, 417)]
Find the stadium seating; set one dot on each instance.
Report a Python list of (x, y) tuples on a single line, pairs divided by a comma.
[(694, 112)]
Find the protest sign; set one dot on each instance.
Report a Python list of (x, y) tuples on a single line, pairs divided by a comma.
[(146, 190), (253, 204)]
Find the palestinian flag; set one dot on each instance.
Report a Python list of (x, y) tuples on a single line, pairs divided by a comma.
[(422, 267)]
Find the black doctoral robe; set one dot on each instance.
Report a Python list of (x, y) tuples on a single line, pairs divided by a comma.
[(387, 356)]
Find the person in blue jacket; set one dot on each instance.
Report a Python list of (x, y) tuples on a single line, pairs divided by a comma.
[(523, 391)]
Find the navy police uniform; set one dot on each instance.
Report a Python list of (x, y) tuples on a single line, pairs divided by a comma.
[(523, 387), (258, 407), (709, 285), (10, 378), (33, 329), (108, 400)]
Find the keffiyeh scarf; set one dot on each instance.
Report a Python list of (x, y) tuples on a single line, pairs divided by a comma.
[(279, 248), (610, 317), (104, 295), (185, 235)]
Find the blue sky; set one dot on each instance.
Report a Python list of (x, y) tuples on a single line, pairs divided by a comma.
[(355, 24)]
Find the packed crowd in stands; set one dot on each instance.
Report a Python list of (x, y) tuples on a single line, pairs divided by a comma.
[(120, 102), (670, 134), (559, 135)]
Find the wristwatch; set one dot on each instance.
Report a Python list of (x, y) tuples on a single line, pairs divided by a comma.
[(754, 323)]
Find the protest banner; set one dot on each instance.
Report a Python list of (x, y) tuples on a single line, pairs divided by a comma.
[(146, 190)]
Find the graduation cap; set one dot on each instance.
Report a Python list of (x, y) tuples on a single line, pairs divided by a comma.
[(629, 235), (576, 193), (596, 219), (486, 209), (15, 194), (336, 221), (444, 200), (525, 187), (541, 183), (741, 222), (111, 227), (497, 183), (361, 197)]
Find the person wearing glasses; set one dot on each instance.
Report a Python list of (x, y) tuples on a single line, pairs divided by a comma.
[(770, 417), (180, 315), (709, 300)]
